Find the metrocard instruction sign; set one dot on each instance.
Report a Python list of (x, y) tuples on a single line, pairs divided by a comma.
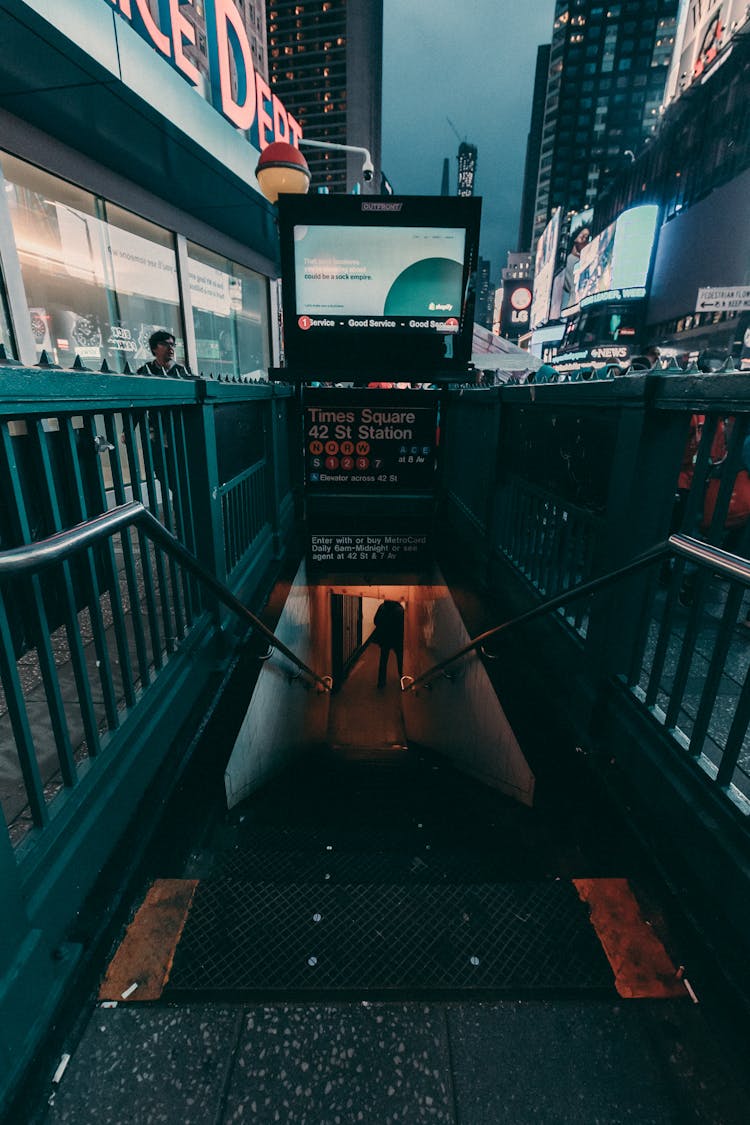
[(253, 108), (370, 459)]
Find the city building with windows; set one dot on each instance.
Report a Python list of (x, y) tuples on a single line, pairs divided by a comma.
[(485, 298), (533, 149), (467, 168), (697, 170), (517, 295), (705, 28), (325, 63), (607, 72)]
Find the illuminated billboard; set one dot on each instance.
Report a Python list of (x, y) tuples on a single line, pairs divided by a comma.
[(381, 283), (544, 270), (379, 272), (703, 31), (615, 264)]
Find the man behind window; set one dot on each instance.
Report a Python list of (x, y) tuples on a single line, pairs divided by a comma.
[(163, 364)]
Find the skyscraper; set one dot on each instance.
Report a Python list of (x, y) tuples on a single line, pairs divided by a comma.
[(467, 168), (533, 148), (325, 62), (485, 299), (607, 74), (445, 183)]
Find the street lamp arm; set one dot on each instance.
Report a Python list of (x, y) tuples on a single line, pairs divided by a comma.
[(368, 168), (330, 144)]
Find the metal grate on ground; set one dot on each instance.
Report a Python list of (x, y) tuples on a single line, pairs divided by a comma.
[(389, 858), (243, 939)]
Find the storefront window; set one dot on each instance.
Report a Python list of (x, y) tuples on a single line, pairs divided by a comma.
[(6, 338), (98, 279), (145, 293), (230, 315)]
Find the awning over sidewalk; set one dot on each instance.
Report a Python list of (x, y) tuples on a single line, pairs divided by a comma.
[(494, 353)]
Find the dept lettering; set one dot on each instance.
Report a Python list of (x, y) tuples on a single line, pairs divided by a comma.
[(255, 108)]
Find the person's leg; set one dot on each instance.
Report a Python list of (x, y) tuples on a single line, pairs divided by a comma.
[(399, 650), (383, 665)]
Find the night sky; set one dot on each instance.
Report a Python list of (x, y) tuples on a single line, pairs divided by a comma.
[(471, 61)]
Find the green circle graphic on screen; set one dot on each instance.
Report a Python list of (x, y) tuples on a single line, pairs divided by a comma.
[(431, 287)]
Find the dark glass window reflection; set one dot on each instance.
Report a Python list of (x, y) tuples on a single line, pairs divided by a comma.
[(98, 279), (230, 315)]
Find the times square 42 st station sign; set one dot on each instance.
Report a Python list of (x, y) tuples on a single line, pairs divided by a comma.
[(254, 108)]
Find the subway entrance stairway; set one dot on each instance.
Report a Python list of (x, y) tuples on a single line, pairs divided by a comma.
[(374, 936)]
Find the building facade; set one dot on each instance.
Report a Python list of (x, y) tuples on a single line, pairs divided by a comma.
[(129, 200), (251, 15), (697, 170), (517, 296), (485, 299), (467, 168), (325, 63), (533, 149), (606, 81), (704, 29)]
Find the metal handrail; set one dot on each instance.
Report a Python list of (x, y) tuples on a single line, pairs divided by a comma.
[(727, 564), (44, 552)]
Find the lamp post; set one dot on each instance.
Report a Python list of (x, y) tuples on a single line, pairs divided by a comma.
[(283, 168)]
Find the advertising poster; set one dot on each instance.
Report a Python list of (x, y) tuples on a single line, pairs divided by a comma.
[(517, 299), (389, 276), (106, 255), (617, 260), (544, 270)]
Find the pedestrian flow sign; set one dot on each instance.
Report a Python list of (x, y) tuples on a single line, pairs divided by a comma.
[(734, 298)]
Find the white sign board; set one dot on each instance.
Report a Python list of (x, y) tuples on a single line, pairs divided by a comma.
[(735, 298)]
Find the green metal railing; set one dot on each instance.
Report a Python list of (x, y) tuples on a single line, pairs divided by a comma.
[(107, 651), (724, 770), (588, 474), (119, 700), (650, 680)]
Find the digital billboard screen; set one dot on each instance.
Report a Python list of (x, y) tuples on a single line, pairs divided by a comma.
[(544, 270), (615, 264), (381, 274), (377, 283)]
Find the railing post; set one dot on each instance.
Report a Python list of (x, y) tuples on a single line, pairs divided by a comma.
[(287, 464), (15, 925), (32, 976), (640, 502), (203, 466), (274, 453), (467, 483)]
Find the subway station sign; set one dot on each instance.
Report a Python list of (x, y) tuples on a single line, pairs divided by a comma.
[(251, 107), (375, 447), (370, 458)]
